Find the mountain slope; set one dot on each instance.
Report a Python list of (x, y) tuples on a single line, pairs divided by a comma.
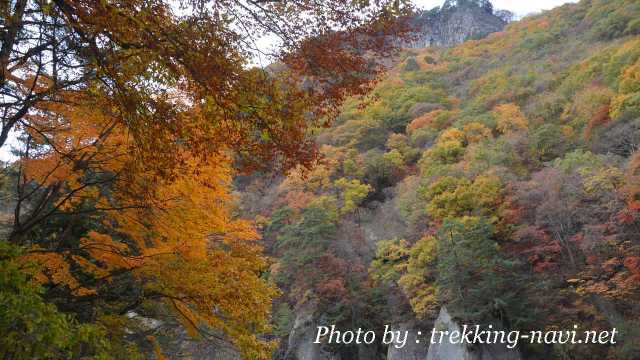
[(500, 178)]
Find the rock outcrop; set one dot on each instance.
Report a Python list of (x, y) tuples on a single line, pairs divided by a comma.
[(451, 351), (413, 350), (300, 344), (455, 22), (177, 344)]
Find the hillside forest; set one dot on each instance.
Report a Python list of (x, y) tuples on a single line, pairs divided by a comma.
[(162, 178)]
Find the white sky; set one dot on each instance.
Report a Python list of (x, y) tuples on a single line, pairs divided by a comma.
[(519, 7), (5, 151)]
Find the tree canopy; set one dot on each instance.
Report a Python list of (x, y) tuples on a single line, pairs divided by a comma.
[(132, 118)]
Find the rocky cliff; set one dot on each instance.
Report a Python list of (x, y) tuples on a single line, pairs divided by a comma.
[(450, 351), (457, 21)]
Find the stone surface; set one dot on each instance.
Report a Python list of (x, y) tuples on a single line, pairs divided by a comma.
[(177, 344), (412, 350), (456, 22), (450, 351), (300, 344)]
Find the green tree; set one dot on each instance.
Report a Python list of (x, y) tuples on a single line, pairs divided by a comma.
[(352, 194), (472, 275), (31, 328), (303, 242)]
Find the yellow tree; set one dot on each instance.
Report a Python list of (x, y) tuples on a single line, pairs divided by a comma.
[(135, 114), (510, 118), (144, 56), (176, 239)]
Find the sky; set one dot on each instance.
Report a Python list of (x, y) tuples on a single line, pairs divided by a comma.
[(5, 151), (518, 7)]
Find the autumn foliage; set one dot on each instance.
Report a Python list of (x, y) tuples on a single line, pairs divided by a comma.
[(133, 119), (167, 187), (497, 178)]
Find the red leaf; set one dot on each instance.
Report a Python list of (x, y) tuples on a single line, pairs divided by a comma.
[(632, 263)]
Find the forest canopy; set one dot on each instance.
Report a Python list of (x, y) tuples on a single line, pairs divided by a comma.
[(167, 191), (497, 178), (132, 119)]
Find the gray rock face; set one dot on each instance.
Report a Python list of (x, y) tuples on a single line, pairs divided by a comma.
[(179, 345), (382, 221), (450, 351), (456, 22), (198, 350), (412, 350), (300, 343)]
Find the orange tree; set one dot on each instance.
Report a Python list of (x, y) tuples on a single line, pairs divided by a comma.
[(133, 117)]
